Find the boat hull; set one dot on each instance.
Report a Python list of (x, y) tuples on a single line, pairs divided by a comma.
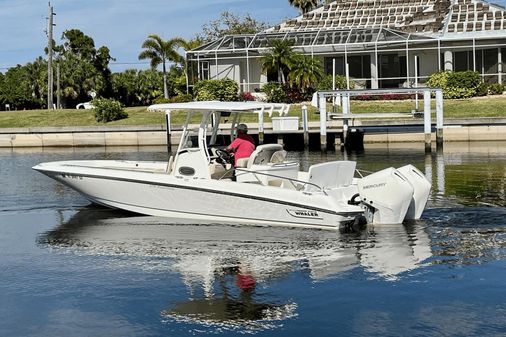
[(153, 192)]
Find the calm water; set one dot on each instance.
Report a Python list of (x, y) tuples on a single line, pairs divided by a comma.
[(72, 269)]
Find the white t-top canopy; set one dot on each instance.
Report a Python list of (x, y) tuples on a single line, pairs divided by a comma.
[(204, 106)]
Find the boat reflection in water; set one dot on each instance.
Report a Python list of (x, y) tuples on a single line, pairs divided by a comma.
[(229, 271)]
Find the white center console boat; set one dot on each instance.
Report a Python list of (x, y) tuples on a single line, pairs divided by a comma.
[(268, 189)]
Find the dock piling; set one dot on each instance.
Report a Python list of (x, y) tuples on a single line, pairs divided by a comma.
[(439, 118), (427, 120), (305, 126), (323, 123)]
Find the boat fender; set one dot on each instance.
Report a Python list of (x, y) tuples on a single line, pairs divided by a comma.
[(353, 200)]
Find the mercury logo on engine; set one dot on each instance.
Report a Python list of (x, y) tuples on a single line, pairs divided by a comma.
[(374, 186), (300, 213)]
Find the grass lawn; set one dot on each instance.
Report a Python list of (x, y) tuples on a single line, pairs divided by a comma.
[(492, 106)]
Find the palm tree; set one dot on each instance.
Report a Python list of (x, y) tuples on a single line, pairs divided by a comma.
[(304, 6), (159, 52), (305, 71), (278, 58), (37, 74)]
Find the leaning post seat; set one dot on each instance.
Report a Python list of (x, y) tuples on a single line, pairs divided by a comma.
[(266, 166), (263, 154)]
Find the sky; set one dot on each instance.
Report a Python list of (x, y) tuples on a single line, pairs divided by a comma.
[(121, 25)]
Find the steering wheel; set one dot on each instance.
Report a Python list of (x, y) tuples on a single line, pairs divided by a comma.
[(223, 156)]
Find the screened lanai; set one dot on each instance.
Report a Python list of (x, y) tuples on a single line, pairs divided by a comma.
[(372, 55)]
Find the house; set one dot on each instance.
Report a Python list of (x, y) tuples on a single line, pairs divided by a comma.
[(383, 43)]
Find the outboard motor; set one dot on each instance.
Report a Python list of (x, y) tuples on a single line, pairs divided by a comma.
[(421, 188), (387, 195)]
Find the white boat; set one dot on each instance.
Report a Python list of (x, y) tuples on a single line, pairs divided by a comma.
[(269, 190)]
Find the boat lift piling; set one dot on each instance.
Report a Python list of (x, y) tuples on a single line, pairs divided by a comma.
[(322, 100), (347, 115), (305, 126)]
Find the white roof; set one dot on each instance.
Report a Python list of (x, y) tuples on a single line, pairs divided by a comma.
[(202, 106)]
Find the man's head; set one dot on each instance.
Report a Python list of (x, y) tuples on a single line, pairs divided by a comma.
[(242, 128)]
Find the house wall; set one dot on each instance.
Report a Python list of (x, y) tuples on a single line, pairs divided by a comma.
[(428, 63), (226, 69), (237, 70)]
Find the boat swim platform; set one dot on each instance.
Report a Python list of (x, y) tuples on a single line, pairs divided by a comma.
[(375, 131)]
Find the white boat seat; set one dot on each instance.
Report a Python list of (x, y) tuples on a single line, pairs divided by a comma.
[(278, 157), (263, 154), (330, 175), (242, 162)]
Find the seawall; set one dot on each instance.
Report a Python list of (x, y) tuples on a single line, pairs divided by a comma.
[(487, 129)]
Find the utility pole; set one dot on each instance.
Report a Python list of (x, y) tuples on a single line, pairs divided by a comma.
[(50, 58), (58, 92)]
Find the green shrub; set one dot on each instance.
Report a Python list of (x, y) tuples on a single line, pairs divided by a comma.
[(462, 84), (495, 89), (107, 110), (161, 100), (180, 98), (216, 90), (464, 79), (326, 83), (482, 89), (275, 93)]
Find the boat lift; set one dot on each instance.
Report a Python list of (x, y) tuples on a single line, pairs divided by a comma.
[(346, 115)]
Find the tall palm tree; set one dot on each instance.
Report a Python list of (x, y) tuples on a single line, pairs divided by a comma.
[(305, 71), (278, 58), (304, 6), (159, 52)]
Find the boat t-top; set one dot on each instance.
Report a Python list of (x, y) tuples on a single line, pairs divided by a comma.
[(199, 184)]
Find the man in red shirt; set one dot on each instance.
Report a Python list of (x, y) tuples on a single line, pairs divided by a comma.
[(243, 146)]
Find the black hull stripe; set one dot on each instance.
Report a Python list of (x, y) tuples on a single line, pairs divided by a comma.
[(211, 191)]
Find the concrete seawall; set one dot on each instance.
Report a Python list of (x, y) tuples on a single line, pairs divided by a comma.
[(375, 132)]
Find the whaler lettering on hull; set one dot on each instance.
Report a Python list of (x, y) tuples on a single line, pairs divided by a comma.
[(301, 213)]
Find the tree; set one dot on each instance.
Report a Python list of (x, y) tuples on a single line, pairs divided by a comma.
[(304, 6), (84, 69), (305, 71), (278, 58), (135, 88), (16, 89), (160, 52), (230, 24), (37, 77), (77, 43)]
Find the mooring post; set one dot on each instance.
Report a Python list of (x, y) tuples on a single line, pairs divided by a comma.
[(323, 122), (167, 126), (439, 118), (305, 126), (427, 120)]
